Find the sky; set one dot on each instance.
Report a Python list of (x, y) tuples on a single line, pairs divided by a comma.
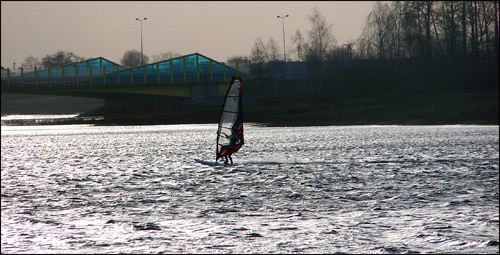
[(216, 29)]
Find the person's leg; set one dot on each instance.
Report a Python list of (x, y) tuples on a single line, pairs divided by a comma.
[(231, 159)]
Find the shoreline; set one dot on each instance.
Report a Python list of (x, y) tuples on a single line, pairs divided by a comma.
[(45, 122), (99, 121), (473, 108)]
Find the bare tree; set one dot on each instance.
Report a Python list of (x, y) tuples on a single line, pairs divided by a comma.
[(349, 50), (165, 56), (299, 42), (448, 20), (496, 33), (320, 37), (397, 16), (427, 17), (272, 50), (258, 55), (30, 63), (464, 27), (488, 14), (132, 58), (375, 39), (60, 58)]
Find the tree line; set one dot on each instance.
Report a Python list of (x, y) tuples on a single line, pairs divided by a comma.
[(428, 29), (400, 30), (131, 58), (420, 38), (406, 48)]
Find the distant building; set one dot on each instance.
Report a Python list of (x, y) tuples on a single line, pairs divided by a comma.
[(288, 70), (296, 70)]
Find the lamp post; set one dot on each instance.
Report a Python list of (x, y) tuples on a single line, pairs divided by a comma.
[(142, 53), (283, 22)]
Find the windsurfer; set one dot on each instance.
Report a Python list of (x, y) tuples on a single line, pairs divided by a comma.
[(233, 139)]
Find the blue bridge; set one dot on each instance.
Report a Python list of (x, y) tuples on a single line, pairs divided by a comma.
[(192, 76)]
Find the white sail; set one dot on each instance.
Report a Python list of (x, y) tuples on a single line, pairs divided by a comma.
[(230, 131)]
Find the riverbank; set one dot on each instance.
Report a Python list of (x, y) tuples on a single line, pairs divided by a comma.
[(465, 108), (480, 108)]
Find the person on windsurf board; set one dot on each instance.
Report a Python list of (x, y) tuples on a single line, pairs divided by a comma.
[(230, 129), (233, 140)]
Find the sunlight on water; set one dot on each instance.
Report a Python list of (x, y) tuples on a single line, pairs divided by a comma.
[(37, 116), (362, 189)]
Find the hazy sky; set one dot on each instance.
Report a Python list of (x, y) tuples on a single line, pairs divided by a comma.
[(216, 29)]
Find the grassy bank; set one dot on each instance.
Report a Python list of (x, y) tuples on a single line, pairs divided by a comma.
[(461, 108), (464, 108)]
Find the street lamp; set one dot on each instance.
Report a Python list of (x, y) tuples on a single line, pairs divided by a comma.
[(283, 22), (142, 53)]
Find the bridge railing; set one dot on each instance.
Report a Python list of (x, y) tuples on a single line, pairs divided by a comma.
[(194, 68)]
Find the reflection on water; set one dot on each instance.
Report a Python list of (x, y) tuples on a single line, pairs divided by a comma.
[(362, 189), (37, 116), (44, 119)]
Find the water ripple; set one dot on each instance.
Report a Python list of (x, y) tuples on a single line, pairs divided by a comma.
[(365, 189)]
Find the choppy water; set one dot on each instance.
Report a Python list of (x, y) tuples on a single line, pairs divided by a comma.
[(363, 189)]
